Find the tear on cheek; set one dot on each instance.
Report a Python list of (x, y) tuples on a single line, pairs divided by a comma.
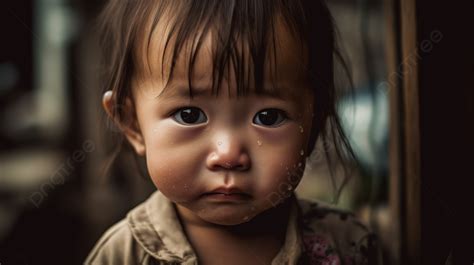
[(286, 187)]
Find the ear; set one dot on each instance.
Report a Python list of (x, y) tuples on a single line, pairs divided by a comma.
[(129, 125)]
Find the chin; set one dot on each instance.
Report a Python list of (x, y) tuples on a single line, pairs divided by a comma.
[(229, 219)]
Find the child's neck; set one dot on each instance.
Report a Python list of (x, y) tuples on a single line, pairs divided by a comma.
[(256, 241)]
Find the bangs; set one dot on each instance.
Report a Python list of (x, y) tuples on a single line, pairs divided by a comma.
[(243, 36)]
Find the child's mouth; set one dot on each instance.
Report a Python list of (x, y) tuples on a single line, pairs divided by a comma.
[(227, 194)]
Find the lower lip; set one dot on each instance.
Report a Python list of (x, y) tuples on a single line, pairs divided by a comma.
[(236, 197)]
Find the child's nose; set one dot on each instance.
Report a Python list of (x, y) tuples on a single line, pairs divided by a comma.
[(228, 153)]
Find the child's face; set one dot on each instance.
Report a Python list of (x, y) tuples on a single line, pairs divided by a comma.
[(223, 159)]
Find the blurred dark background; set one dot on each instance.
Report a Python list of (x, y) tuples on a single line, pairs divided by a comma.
[(55, 196), (58, 195)]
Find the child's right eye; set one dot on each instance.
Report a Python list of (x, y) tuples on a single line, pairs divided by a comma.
[(189, 116)]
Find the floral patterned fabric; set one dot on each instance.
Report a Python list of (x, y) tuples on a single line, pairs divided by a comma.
[(335, 237)]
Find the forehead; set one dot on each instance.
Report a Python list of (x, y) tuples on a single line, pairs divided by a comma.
[(283, 71)]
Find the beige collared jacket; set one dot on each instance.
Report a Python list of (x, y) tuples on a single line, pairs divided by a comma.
[(316, 234)]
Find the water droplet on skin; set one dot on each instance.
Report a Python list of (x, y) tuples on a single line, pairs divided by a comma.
[(219, 143), (302, 152), (259, 142), (299, 164), (290, 188), (246, 218), (301, 129)]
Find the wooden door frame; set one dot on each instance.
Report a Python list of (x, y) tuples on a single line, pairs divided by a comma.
[(430, 73)]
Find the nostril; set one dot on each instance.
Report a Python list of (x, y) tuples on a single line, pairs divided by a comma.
[(242, 167), (229, 165)]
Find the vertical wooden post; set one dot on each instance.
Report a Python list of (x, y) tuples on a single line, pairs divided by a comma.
[(403, 87), (412, 177), (393, 87)]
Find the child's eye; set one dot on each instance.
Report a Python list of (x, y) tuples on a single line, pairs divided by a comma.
[(270, 117), (189, 115)]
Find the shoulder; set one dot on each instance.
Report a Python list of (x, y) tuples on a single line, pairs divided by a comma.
[(335, 235), (323, 217), (117, 246)]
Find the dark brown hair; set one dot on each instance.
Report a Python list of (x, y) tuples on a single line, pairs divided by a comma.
[(234, 23)]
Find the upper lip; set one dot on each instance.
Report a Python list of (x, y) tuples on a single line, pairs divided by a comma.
[(227, 191)]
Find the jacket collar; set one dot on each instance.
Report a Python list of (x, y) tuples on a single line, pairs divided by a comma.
[(156, 227)]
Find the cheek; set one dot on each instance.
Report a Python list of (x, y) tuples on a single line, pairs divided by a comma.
[(281, 165), (172, 161), (282, 175), (167, 177)]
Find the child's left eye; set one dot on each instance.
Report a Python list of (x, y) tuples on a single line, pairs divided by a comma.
[(270, 117), (189, 116)]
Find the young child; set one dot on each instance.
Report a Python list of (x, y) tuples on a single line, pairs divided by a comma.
[(225, 99)]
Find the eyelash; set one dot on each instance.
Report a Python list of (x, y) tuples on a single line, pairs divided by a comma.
[(177, 111), (282, 114)]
